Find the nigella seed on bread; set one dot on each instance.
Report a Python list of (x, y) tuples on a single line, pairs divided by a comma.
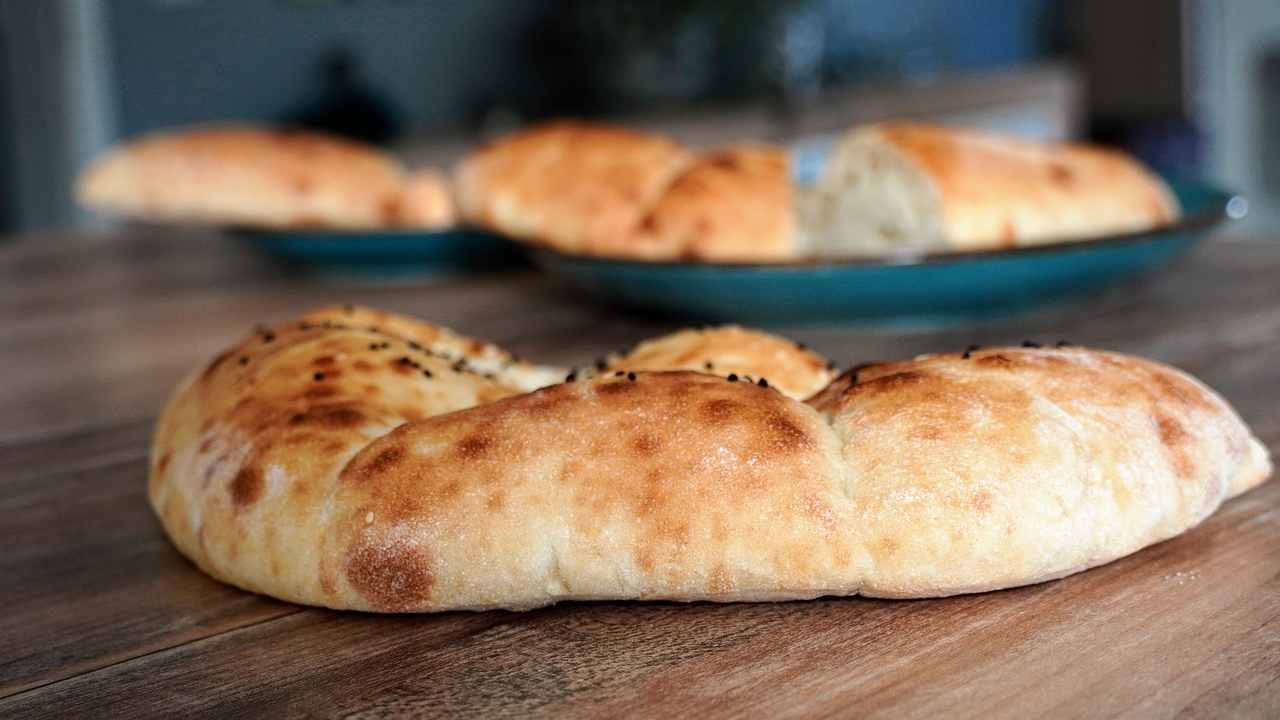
[(507, 488)]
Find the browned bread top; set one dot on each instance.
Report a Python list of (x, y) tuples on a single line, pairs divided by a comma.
[(750, 355), (731, 204), (568, 184), (366, 466)]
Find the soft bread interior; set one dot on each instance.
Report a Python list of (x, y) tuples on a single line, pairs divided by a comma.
[(870, 200)]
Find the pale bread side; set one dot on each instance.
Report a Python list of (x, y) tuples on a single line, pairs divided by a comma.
[(261, 178)]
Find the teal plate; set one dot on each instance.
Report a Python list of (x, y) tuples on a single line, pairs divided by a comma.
[(925, 289), (389, 253)]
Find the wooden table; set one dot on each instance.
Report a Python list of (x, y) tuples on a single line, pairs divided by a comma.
[(99, 616)]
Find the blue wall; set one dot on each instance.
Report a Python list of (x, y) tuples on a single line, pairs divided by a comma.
[(183, 61)]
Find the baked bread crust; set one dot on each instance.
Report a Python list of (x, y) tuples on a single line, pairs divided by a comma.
[(732, 204), (924, 187), (257, 177), (570, 185), (727, 350), (427, 200), (331, 462)]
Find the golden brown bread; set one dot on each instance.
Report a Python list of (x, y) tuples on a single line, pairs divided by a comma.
[(889, 188), (338, 465), (750, 354), (426, 201), (732, 204), (908, 186), (570, 185), (257, 177)]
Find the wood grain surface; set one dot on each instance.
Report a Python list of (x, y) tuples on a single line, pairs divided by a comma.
[(103, 618)]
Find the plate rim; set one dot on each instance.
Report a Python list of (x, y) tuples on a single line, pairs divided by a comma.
[(353, 235)]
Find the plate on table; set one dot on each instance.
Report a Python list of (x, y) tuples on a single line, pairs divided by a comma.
[(388, 253), (926, 288)]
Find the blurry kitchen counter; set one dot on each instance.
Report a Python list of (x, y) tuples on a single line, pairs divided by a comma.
[(104, 619), (1041, 102)]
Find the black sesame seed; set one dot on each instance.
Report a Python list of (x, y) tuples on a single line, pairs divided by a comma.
[(426, 373), (733, 377), (244, 360), (708, 366), (405, 360), (763, 383), (319, 376), (571, 377), (374, 346), (620, 373), (414, 345), (268, 337), (969, 350), (631, 376), (1030, 344)]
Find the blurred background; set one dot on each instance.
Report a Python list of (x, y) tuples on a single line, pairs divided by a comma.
[(1191, 86)]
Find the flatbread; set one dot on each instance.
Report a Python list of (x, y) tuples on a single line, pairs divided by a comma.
[(361, 460), (262, 178)]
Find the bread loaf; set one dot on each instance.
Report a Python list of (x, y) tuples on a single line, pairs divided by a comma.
[(905, 187), (255, 177), (731, 205), (361, 460), (570, 185)]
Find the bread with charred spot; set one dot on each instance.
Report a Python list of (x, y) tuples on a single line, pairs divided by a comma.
[(360, 460)]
